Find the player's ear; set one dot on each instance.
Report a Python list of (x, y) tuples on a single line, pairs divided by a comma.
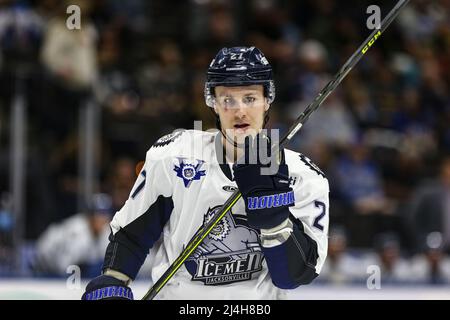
[(266, 104)]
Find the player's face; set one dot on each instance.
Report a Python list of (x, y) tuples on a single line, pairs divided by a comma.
[(241, 110)]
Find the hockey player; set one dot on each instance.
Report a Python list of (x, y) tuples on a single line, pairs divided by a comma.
[(273, 239)]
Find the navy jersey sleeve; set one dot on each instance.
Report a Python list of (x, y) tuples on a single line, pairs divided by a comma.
[(299, 259)]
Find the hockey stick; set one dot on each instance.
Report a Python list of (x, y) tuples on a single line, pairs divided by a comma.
[(317, 102)]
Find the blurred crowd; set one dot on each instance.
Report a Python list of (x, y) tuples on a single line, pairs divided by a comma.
[(382, 138)]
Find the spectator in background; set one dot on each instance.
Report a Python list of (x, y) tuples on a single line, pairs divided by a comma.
[(430, 207), (163, 84), (432, 266), (79, 240), (21, 29), (341, 267), (63, 159), (116, 89), (120, 180), (360, 102), (313, 60), (271, 29), (70, 55), (221, 26), (307, 75), (359, 186), (69, 58), (416, 126), (332, 124), (395, 269), (6, 231), (420, 21)]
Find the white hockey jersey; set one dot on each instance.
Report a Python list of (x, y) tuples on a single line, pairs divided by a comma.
[(230, 264)]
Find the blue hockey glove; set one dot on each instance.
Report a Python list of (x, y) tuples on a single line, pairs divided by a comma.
[(107, 288), (267, 197)]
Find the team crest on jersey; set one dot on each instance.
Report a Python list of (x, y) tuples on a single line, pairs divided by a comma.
[(168, 138), (230, 253), (189, 171)]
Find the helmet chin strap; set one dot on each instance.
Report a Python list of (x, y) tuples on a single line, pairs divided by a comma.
[(234, 143)]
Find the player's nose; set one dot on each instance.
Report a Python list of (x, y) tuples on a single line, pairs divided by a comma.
[(241, 110)]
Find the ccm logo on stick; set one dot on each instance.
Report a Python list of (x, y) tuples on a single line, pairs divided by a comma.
[(371, 42)]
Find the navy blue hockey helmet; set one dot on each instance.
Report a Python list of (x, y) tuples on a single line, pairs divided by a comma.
[(239, 66)]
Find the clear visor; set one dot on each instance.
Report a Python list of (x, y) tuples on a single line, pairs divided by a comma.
[(212, 101), (231, 102)]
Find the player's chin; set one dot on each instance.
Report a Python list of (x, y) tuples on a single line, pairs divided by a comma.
[(240, 134)]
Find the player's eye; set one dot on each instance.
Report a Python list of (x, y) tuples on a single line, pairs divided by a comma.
[(228, 102), (249, 100)]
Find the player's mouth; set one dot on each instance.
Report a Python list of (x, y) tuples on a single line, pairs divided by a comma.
[(241, 127)]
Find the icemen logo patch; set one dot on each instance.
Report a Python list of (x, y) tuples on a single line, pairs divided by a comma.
[(189, 171), (168, 138), (230, 253)]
